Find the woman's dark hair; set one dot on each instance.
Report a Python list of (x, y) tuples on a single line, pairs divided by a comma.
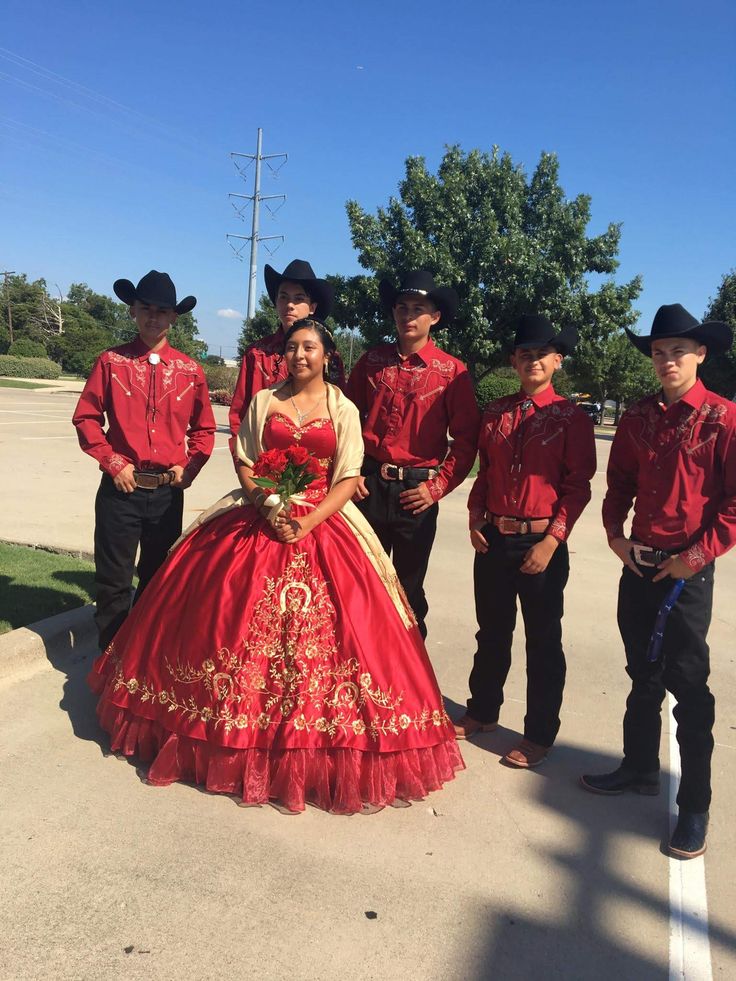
[(311, 323)]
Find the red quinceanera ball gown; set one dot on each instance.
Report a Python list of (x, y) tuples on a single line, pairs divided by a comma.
[(277, 672)]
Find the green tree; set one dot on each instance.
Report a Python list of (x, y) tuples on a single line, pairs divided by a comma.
[(264, 321), (33, 312), (508, 244), (82, 341), (24, 347), (108, 313), (719, 372)]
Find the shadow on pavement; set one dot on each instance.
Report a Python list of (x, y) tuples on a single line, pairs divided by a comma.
[(73, 656), (579, 939)]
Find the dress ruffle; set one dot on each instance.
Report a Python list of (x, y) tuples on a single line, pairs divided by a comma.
[(341, 781)]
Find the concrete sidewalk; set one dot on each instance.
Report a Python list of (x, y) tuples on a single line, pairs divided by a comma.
[(503, 874)]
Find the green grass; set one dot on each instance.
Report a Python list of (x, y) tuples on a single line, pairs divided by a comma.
[(35, 584), (16, 383)]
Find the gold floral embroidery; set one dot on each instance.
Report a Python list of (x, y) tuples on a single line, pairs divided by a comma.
[(287, 670)]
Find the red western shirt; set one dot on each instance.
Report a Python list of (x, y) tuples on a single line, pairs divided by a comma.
[(677, 464), (151, 411), (408, 405), (535, 461), (263, 365)]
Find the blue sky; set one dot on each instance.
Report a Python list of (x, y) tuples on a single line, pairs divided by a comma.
[(116, 124)]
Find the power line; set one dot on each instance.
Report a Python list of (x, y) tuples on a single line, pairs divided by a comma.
[(254, 238)]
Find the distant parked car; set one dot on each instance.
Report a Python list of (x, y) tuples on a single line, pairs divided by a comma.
[(594, 410)]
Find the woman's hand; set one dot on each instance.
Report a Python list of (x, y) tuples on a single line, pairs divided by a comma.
[(275, 519), (291, 530)]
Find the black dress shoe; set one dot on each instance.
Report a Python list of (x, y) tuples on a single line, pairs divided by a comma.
[(621, 780), (688, 838)]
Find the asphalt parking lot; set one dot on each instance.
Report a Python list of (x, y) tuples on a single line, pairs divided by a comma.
[(504, 874)]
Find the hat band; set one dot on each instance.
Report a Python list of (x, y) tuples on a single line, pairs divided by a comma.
[(411, 289)]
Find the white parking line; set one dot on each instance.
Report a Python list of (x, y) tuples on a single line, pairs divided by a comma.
[(43, 415), (73, 436), (689, 943), (38, 422)]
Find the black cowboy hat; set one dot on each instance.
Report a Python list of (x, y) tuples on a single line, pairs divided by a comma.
[(299, 271), (533, 330), (422, 283), (156, 288), (673, 320)]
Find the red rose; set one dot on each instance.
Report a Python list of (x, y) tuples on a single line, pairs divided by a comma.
[(270, 464), (313, 466), (298, 455)]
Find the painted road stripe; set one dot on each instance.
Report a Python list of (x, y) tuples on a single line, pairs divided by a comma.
[(689, 942), (73, 436), (43, 415)]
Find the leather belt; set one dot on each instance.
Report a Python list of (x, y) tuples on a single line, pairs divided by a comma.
[(150, 480), (648, 556), (519, 526), (389, 471)]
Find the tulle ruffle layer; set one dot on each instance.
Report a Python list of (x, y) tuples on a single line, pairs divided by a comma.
[(342, 781)]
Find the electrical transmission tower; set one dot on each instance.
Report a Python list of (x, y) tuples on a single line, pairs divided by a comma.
[(255, 199)]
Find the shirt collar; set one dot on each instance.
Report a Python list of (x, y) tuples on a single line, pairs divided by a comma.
[(695, 396), (425, 354), (541, 398), (140, 351), (274, 342)]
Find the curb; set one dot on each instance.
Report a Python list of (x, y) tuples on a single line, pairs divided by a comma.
[(52, 640), (70, 551)]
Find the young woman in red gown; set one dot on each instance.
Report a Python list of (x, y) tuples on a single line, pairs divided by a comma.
[(276, 658)]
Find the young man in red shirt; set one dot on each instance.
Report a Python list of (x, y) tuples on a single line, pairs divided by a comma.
[(296, 293), (411, 395), (537, 458), (155, 398), (674, 458)]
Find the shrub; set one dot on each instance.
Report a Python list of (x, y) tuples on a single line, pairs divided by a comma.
[(496, 385), (220, 378), (14, 367), (24, 347), (221, 396)]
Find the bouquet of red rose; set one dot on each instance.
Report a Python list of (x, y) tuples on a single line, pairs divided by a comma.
[(286, 474)]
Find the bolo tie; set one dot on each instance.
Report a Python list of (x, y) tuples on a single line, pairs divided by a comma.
[(519, 443), (153, 360)]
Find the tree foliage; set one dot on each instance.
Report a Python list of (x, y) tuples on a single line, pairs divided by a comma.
[(508, 243), (75, 330), (264, 321), (719, 372)]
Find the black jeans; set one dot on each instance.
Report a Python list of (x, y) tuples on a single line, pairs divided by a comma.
[(151, 518), (405, 536), (498, 582), (683, 668)]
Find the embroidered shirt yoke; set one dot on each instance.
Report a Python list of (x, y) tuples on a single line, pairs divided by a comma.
[(537, 458), (677, 465)]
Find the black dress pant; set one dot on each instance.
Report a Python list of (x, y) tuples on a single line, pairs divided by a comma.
[(498, 582), (405, 536), (149, 518), (682, 669)]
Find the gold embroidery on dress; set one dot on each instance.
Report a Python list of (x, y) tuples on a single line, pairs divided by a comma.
[(289, 670)]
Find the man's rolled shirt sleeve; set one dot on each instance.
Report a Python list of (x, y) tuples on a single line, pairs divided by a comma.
[(622, 478), (720, 534), (201, 429), (463, 427), (579, 469), (89, 421)]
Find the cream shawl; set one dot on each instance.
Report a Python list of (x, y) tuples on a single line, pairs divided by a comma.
[(347, 462)]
